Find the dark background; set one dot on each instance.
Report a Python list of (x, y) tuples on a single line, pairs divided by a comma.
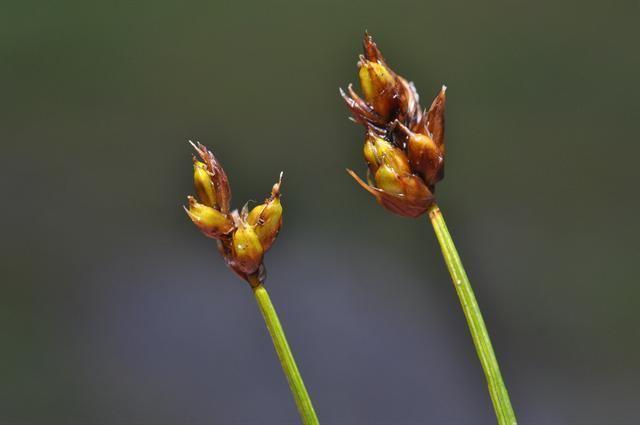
[(115, 310)]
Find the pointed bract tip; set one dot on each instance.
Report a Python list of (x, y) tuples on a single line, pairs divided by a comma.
[(199, 148), (371, 51), (366, 38), (275, 190), (362, 183)]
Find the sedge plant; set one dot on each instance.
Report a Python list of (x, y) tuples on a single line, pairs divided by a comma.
[(404, 149), (242, 238)]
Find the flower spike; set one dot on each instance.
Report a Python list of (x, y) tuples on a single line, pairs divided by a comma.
[(243, 237), (404, 146)]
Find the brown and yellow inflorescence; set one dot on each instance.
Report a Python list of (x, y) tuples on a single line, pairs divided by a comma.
[(243, 236), (404, 145)]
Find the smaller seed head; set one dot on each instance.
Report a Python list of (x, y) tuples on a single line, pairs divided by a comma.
[(242, 237)]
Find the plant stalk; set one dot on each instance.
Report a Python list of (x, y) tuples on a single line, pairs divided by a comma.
[(303, 402), (479, 334)]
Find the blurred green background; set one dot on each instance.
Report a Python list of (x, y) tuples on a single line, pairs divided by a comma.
[(115, 310)]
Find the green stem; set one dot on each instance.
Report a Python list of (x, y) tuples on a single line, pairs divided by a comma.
[(479, 334), (307, 414)]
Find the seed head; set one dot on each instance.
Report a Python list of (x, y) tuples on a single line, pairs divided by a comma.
[(404, 145), (243, 237)]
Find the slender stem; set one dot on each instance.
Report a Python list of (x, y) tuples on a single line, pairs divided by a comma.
[(479, 334), (307, 414)]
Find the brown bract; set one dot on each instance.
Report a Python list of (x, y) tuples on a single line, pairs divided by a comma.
[(390, 110), (397, 204)]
